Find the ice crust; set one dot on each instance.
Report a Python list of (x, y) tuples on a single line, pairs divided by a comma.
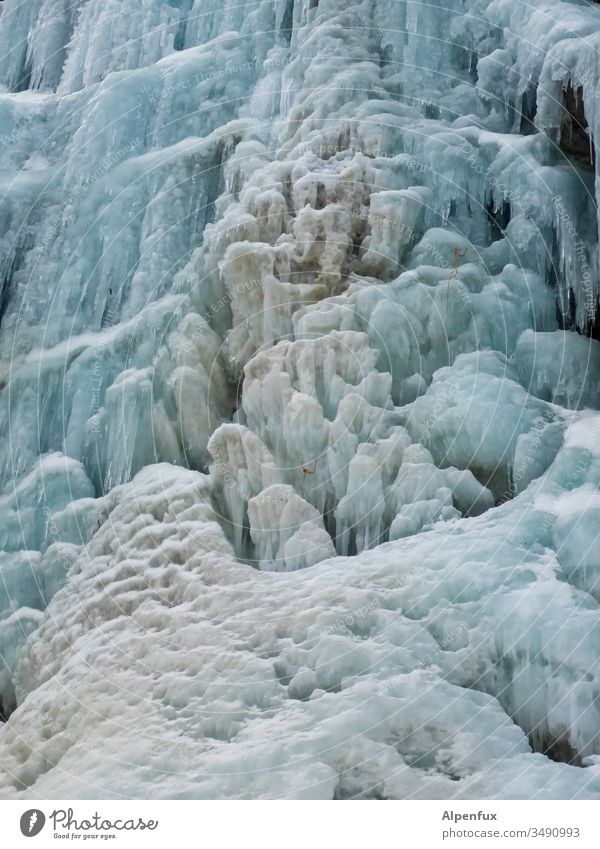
[(299, 462)]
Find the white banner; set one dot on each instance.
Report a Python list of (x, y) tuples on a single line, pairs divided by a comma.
[(299, 825)]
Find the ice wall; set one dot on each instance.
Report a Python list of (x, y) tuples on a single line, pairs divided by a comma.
[(323, 263)]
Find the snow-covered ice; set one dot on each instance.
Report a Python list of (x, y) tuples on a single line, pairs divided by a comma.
[(299, 399)]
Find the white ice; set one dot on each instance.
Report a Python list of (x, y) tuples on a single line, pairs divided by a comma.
[(299, 457)]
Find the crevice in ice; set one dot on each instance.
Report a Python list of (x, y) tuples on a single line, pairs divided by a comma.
[(7, 707), (185, 7), (5, 291), (557, 749), (575, 135), (10, 269), (24, 80), (498, 217), (528, 110), (286, 27)]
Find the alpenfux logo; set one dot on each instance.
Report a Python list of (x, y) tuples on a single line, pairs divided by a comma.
[(32, 822)]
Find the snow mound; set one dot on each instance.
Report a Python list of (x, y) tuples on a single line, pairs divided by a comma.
[(299, 457)]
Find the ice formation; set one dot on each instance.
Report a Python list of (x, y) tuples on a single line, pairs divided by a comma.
[(299, 450)]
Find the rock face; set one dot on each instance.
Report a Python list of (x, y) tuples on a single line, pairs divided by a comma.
[(299, 457)]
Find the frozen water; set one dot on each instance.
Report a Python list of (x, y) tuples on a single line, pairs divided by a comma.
[(393, 674), (299, 457)]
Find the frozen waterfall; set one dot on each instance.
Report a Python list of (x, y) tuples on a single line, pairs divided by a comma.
[(299, 399)]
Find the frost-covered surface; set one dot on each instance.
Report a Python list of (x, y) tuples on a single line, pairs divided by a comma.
[(299, 463)]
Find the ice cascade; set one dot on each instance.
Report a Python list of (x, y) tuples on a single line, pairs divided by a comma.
[(299, 399)]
